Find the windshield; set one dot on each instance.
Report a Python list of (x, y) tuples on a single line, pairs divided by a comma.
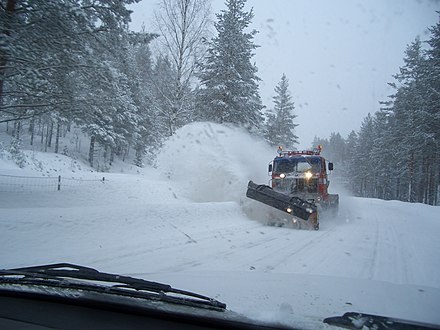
[(135, 138), (297, 164)]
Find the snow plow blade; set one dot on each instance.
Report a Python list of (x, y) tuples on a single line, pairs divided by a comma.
[(298, 207)]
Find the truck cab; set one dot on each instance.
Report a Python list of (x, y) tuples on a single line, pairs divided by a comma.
[(298, 187), (303, 174)]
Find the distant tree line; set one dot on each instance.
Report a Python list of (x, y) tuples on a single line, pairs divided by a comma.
[(75, 63), (396, 152)]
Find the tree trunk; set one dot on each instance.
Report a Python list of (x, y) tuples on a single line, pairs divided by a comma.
[(105, 154), (57, 137), (139, 154), (125, 153), (17, 127), (112, 155), (411, 178), (42, 134), (437, 193), (47, 138), (91, 149), (32, 130), (50, 134), (77, 144)]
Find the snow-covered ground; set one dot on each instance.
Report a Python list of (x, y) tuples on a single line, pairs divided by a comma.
[(188, 224)]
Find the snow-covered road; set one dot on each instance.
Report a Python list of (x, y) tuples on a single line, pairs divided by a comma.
[(370, 239), (377, 256), (124, 226)]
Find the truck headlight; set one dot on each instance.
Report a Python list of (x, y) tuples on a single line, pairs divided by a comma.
[(289, 210), (282, 175), (308, 175)]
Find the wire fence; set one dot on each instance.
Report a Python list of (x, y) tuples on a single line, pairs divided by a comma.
[(12, 183)]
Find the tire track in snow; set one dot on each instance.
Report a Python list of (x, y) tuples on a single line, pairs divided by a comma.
[(370, 268), (390, 257), (378, 248), (281, 257), (174, 245), (208, 257), (245, 254)]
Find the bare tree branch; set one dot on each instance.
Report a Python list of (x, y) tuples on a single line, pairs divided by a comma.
[(183, 26)]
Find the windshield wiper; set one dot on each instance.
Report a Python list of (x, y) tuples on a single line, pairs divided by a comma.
[(59, 275), (352, 320)]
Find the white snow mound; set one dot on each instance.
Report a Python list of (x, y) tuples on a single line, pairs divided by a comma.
[(213, 162)]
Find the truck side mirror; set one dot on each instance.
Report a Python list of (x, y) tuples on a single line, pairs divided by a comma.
[(330, 166), (270, 167)]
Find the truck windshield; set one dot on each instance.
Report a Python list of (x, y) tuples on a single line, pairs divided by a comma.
[(297, 164)]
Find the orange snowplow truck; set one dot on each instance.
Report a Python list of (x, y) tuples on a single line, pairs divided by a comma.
[(298, 186)]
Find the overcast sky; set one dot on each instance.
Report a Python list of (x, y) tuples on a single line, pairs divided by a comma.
[(338, 55)]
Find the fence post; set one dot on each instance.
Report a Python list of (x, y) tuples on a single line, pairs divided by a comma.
[(59, 182)]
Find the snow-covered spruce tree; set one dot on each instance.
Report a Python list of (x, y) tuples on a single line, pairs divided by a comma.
[(17, 153), (31, 54), (64, 61), (319, 141), (336, 148), (365, 170), (108, 113), (383, 157), (433, 100), (396, 149), (134, 73), (146, 137), (43, 41), (351, 161), (337, 153), (280, 126), (229, 92), (410, 122)]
